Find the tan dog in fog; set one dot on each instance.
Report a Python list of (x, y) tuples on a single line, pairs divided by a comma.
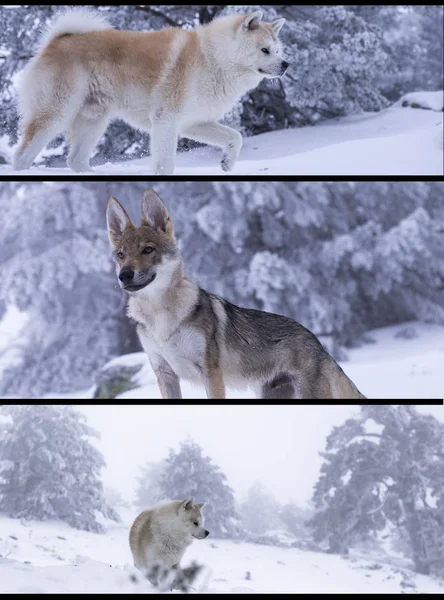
[(160, 536), (171, 82)]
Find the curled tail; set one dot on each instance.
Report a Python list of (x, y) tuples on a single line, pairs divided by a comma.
[(35, 84), (77, 20)]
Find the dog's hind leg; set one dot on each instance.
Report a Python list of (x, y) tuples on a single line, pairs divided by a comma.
[(47, 102), (281, 387), (83, 136), (219, 135), (37, 132)]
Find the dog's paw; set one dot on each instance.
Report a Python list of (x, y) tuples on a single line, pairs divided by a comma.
[(227, 163), (19, 164), (80, 167)]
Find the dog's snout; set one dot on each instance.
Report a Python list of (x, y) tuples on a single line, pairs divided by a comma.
[(207, 533), (285, 65), (126, 275)]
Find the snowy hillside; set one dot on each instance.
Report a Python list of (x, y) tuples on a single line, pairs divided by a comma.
[(401, 362), (54, 558), (398, 141)]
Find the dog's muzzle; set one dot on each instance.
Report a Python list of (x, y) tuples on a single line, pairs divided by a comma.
[(284, 67), (278, 70), (127, 282)]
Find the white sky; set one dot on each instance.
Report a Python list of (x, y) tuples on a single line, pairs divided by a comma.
[(277, 445)]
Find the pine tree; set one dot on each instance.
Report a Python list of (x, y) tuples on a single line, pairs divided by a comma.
[(259, 512), (148, 490), (48, 467), (295, 519), (54, 248), (393, 477), (189, 473)]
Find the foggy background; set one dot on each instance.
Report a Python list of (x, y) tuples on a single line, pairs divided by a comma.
[(342, 480), (339, 257), (343, 60), (276, 445)]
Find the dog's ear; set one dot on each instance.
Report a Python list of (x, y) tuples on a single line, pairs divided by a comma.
[(155, 213), (199, 506), (116, 220), (252, 20), (277, 25), (187, 504)]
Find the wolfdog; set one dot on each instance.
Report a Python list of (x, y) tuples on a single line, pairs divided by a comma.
[(170, 82), (195, 335), (159, 537)]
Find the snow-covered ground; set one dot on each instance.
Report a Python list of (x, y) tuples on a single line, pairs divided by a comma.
[(52, 557), (391, 367), (398, 141)]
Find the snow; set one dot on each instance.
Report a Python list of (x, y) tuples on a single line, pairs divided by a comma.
[(396, 141), (65, 560), (430, 100)]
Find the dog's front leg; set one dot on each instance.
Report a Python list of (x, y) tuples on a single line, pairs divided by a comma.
[(167, 380), (216, 134), (214, 383), (163, 140)]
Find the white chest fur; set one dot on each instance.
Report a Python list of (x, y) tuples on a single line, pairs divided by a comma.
[(183, 350), (164, 332)]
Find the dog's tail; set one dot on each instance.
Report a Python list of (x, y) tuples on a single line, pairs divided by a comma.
[(342, 386), (37, 92), (76, 20)]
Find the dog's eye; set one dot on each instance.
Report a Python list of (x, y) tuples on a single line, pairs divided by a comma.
[(265, 50), (120, 255), (196, 523), (147, 250)]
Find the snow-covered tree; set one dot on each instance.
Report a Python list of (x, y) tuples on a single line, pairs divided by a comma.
[(114, 499), (295, 519), (189, 473), (259, 511), (55, 254), (49, 469), (384, 469), (148, 490)]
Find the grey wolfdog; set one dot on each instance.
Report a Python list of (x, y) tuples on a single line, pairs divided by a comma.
[(192, 334)]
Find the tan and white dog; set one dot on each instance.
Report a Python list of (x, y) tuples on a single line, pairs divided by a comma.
[(159, 537), (170, 82)]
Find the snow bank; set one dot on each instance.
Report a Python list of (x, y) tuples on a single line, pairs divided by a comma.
[(395, 141), (429, 100)]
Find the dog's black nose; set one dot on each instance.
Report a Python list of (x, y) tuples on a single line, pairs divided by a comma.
[(284, 65), (126, 275), (207, 533)]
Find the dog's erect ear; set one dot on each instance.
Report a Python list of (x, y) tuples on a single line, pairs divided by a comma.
[(277, 25), (155, 213), (199, 506), (187, 504), (116, 220), (252, 20)]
